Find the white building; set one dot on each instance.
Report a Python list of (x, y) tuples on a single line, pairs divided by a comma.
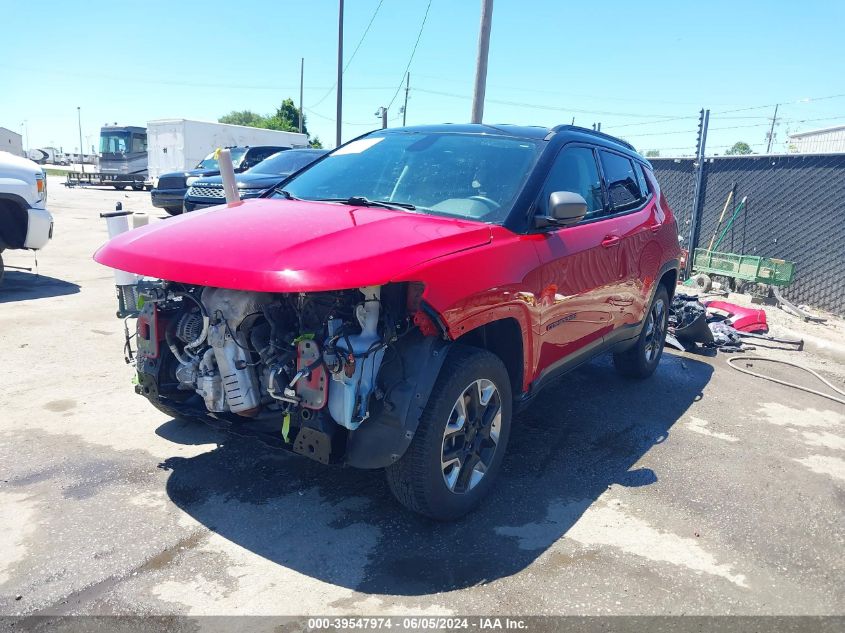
[(824, 141), (11, 142)]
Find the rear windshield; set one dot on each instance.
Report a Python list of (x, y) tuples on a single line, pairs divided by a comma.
[(285, 162), (210, 161)]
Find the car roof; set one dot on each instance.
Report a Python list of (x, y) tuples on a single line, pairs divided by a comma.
[(533, 132), (506, 129)]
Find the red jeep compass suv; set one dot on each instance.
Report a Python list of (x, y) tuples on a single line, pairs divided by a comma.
[(389, 305)]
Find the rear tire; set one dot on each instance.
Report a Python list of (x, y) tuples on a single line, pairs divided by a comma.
[(641, 360), (137, 187), (173, 210), (451, 465), (119, 187)]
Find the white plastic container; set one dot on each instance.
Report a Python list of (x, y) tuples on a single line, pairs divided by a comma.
[(117, 222)]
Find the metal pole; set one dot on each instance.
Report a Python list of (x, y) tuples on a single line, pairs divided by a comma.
[(696, 200), (339, 73), (383, 118), (301, 79), (81, 147), (481, 61), (772, 129), (405, 107)]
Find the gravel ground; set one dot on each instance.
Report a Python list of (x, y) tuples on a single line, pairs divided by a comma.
[(699, 491)]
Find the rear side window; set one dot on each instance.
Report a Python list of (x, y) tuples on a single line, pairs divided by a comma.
[(255, 156), (641, 177), (623, 182), (575, 170)]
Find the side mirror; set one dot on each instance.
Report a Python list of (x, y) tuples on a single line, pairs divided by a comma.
[(565, 209)]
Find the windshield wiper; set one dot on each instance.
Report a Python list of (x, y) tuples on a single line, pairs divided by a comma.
[(287, 195), (361, 201)]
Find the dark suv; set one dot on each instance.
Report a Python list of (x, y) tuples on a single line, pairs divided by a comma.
[(392, 304), (171, 188), (207, 192)]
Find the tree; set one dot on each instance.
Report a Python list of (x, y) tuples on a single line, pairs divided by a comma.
[(739, 148), (285, 118), (315, 143), (653, 153), (242, 117)]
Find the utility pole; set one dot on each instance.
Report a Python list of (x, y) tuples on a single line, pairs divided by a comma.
[(339, 115), (405, 107), (772, 129), (382, 112), (481, 61), (301, 78), (703, 122), (81, 146)]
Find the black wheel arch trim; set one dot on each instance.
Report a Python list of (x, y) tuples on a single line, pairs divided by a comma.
[(18, 200), (384, 438)]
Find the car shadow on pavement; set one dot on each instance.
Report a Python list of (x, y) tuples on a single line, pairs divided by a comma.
[(342, 526), (23, 286)]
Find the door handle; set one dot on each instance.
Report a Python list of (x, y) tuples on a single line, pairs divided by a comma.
[(610, 241)]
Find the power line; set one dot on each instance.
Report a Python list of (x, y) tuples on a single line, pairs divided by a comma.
[(351, 57), (541, 107), (413, 52), (772, 105), (190, 84), (330, 118)]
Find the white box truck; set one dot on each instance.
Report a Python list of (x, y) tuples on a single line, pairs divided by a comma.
[(180, 144)]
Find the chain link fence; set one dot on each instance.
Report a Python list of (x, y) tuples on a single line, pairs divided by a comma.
[(794, 211)]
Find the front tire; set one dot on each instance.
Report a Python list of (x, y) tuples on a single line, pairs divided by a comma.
[(641, 360), (119, 187), (173, 210), (453, 460)]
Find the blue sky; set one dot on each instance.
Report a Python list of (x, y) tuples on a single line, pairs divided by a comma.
[(631, 65)]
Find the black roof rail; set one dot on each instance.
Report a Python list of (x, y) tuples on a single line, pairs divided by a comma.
[(576, 128)]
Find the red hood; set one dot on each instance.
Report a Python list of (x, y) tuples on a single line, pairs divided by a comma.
[(289, 246)]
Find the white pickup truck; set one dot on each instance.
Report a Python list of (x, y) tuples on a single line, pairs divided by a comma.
[(25, 222)]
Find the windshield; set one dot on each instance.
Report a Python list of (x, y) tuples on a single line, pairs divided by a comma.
[(114, 142), (461, 175), (210, 162), (285, 162)]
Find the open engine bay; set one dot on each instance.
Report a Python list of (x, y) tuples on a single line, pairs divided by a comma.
[(303, 367)]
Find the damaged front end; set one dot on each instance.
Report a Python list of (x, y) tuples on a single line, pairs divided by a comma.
[(338, 376)]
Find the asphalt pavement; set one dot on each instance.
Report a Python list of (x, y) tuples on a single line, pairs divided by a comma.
[(698, 491)]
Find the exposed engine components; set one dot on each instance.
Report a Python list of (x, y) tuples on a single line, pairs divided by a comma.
[(259, 354), (189, 327), (361, 355)]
